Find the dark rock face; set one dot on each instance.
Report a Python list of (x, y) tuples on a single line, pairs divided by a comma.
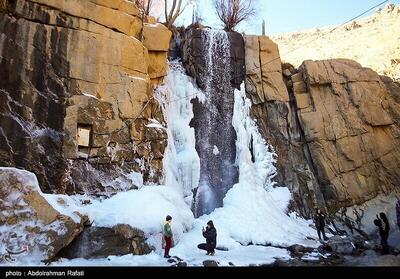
[(193, 55), (100, 242), (100, 178), (300, 173), (216, 60), (33, 92), (62, 69)]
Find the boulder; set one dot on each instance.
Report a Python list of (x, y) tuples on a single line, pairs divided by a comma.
[(210, 263), (341, 245), (28, 219), (299, 249), (101, 242), (156, 37)]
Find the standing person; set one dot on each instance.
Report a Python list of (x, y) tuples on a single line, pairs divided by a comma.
[(320, 224), (383, 224), (386, 225), (386, 230), (210, 234), (167, 232), (398, 212)]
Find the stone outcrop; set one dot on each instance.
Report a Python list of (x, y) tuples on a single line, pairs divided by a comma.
[(29, 221), (77, 91), (275, 112), (101, 242), (264, 71), (347, 115), (156, 38), (334, 126)]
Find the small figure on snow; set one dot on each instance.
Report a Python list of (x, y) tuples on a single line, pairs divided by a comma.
[(167, 232), (398, 212), (382, 223), (319, 220), (210, 234)]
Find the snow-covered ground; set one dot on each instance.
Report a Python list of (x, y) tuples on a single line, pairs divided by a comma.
[(254, 213), (243, 256)]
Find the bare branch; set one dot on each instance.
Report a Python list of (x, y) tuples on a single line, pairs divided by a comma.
[(166, 10), (144, 6), (171, 12), (233, 12), (175, 11), (178, 11)]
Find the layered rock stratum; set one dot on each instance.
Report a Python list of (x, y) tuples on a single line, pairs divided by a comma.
[(76, 90), (333, 123)]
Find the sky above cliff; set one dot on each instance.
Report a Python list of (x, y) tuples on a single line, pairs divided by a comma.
[(289, 15)]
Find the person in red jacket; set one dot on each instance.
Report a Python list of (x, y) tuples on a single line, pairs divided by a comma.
[(167, 232)]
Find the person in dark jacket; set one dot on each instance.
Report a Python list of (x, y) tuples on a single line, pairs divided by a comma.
[(382, 223), (385, 222), (319, 220), (398, 212), (167, 233), (210, 234)]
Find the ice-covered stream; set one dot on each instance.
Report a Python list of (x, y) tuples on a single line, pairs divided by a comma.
[(212, 122)]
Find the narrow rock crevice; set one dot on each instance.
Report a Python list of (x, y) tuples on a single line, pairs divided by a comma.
[(318, 197)]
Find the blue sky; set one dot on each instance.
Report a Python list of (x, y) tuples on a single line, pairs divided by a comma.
[(292, 15)]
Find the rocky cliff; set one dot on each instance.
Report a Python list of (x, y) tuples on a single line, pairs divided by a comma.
[(76, 98), (372, 41), (76, 92), (278, 122), (334, 126)]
